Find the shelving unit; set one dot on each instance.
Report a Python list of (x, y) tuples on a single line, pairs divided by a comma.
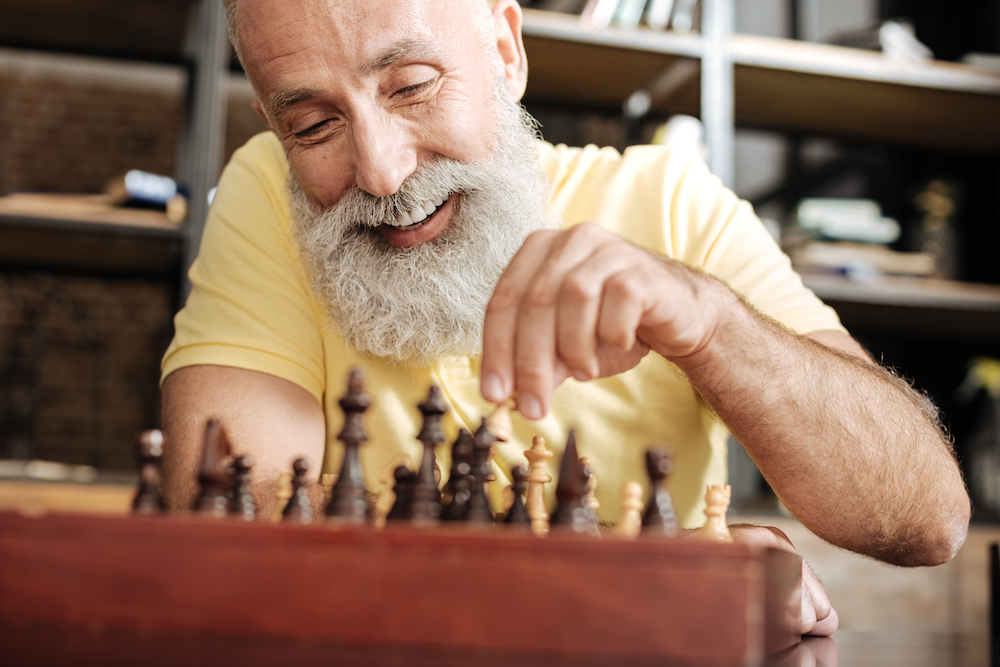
[(778, 83), (792, 86)]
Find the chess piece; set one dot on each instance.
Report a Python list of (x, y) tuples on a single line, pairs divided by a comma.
[(405, 481), (479, 501), (571, 514), (213, 476), (659, 518), (517, 513), (387, 478), (631, 519), (498, 422), (717, 499), (241, 503), (349, 497), (327, 480), (426, 505), (538, 476), (460, 479), (298, 509), (590, 498), (148, 452), (282, 495)]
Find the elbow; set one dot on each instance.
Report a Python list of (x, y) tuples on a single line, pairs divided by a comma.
[(941, 540)]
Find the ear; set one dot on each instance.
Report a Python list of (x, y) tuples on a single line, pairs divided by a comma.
[(507, 19), (259, 108)]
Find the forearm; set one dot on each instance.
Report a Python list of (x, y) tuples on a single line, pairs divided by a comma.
[(850, 449)]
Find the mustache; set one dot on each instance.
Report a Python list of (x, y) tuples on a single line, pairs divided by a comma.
[(437, 179)]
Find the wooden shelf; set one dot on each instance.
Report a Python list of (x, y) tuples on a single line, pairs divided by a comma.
[(914, 307), (126, 242), (782, 84)]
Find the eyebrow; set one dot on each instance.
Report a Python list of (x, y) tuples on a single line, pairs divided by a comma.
[(402, 50)]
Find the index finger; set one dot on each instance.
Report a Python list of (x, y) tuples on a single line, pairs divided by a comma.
[(496, 381)]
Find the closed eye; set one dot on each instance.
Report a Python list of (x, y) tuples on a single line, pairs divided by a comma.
[(312, 130)]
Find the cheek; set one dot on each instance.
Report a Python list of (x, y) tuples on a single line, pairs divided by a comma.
[(323, 176)]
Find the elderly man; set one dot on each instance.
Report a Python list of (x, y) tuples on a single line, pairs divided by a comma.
[(402, 215)]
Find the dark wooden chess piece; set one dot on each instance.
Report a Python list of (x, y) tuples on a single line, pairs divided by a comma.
[(213, 476), (148, 452), (298, 509), (590, 484), (349, 497), (659, 518), (405, 481), (426, 505), (571, 513), (517, 515), (241, 503), (460, 478), (479, 502)]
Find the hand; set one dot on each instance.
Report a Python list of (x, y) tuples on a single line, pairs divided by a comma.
[(818, 615), (584, 303)]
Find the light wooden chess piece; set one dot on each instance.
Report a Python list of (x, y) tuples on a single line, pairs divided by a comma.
[(630, 522), (283, 495), (590, 499), (717, 499), (538, 476), (499, 424)]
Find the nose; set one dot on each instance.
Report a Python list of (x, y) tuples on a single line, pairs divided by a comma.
[(384, 153)]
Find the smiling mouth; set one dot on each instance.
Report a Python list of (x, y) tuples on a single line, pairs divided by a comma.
[(418, 215)]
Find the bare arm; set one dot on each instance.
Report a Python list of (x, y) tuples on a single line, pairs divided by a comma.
[(266, 417), (850, 449)]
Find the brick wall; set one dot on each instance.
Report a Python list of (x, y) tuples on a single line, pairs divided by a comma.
[(79, 354), (70, 123)]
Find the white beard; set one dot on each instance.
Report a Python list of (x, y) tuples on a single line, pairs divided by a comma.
[(418, 304)]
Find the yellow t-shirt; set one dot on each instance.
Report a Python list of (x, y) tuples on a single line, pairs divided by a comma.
[(251, 307)]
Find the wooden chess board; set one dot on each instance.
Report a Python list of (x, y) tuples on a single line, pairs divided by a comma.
[(174, 589)]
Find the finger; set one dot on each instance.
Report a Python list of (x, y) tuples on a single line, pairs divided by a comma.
[(827, 626), (622, 309), (500, 323), (818, 616), (582, 302), (535, 352)]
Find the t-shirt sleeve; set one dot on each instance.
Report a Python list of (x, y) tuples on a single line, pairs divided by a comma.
[(725, 238), (250, 305)]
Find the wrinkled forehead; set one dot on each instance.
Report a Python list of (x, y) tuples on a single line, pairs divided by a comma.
[(265, 28)]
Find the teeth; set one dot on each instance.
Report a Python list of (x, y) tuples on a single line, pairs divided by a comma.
[(418, 214)]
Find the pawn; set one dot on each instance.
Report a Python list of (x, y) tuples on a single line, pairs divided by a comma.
[(659, 518), (517, 514), (631, 519), (460, 479), (148, 452), (717, 499), (298, 509), (405, 481), (241, 503)]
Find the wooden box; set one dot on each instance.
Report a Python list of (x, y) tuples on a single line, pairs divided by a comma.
[(81, 589)]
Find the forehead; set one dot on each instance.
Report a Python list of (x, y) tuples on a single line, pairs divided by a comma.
[(278, 35)]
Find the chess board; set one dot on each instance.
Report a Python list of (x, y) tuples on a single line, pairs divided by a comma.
[(178, 589)]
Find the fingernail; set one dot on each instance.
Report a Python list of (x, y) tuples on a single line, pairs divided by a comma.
[(581, 376), (492, 388), (529, 406)]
